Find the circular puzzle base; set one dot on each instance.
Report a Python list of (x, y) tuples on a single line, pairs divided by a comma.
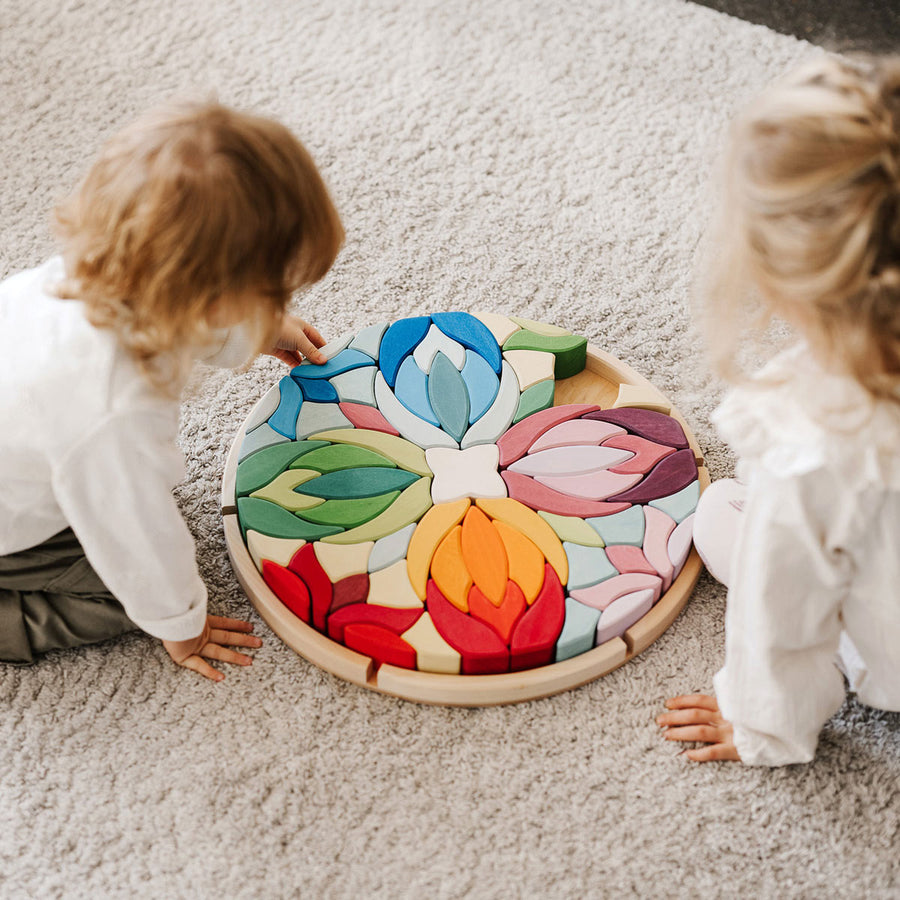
[(465, 510)]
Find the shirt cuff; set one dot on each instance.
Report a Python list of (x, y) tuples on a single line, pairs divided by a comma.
[(182, 627)]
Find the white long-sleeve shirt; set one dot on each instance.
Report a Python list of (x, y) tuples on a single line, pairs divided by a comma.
[(87, 442), (817, 558)]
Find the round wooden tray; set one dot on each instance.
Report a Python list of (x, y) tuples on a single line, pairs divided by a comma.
[(605, 381)]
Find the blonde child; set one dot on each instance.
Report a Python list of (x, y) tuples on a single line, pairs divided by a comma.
[(184, 242), (808, 539)]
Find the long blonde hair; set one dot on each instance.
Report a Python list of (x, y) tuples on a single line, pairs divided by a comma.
[(182, 214), (809, 222)]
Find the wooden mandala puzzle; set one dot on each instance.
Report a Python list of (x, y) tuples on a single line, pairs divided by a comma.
[(464, 509)]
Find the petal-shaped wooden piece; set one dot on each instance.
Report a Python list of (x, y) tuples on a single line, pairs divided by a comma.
[(395, 620), (656, 543), (576, 432), (288, 588), (260, 438), (681, 504), (489, 428), (482, 385), (369, 339), (350, 590), (538, 397), (618, 617), (646, 453), (319, 417), (391, 548), (406, 455), (530, 366), (629, 559), (336, 457), (534, 637), (383, 646), (587, 566), (367, 481), (349, 513), (318, 390), (269, 518), (502, 618), (570, 460), (449, 397), (367, 417), (573, 529), (433, 653), (411, 389), (570, 350), (433, 527), (341, 560), (672, 474), (356, 386), (485, 555), (284, 419), (515, 442), (307, 566), (579, 630), (434, 342), (597, 485), (259, 469), (679, 543), (526, 562), (599, 596), (646, 423), (501, 327), (538, 496), (471, 333), (626, 527), (448, 569), (415, 429), (342, 362), (398, 342), (280, 490)]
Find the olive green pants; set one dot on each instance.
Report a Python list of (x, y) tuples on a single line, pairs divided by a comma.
[(51, 599)]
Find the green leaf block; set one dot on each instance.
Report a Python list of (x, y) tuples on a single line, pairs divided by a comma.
[(350, 484), (349, 513), (259, 469), (570, 350), (335, 457), (269, 518), (539, 396)]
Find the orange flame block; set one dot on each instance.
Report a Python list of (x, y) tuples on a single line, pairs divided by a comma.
[(501, 618), (485, 555), (526, 562), (448, 569)]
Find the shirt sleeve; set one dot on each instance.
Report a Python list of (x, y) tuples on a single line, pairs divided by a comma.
[(115, 490), (779, 684)]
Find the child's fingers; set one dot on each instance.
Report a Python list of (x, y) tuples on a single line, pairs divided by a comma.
[(709, 734), (234, 638), (691, 716), (313, 334), (700, 701), (197, 664), (224, 654), (713, 752), (230, 624)]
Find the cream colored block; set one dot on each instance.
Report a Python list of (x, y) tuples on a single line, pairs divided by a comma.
[(540, 327), (433, 653), (501, 327), (276, 550), (342, 560), (281, 490), (391, 587), (641, 397), (530, 366)]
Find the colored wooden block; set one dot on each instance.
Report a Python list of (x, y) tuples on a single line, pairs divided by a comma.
[(261, 437), (538, 496), (658, 529), (337, 457), (503, 618), (259, 469), (629, 559), (307, 566), (433, 653), (269, 518), (539, 327), (369, 340), (579, 630), (411, 389), (318, 390), (464, 473), (600, 596), (343, 362), (576, 432), (679, 545), (626, 527), (484, 554), (394, 620), (591, 486), (356, 386), (517, 440), (383, 646), (481, 383), (481, 649), (264, 408), (408, 507), (498, 418), (501, 327), (281, 490), (526, 561), (570, 461), (364, 482), (449, 397), (348, 591), (618, 617), (335, 346), (667, 477), (284, 419), (434, 342), (533, 527), (398, 342), (388, 550), (534, 637), (316, 417), (539, 396), (471, 333), (340, 561), (646, 453), (572, 529), (434, 526), (406, 455), (390, 587), (277, 550), (641, 397), (289, 589), (587, 566), (421, 433), (530, 366), (654, 426), (367, 417), (570, 351), (448, 569), (349, 513), (680, 505)]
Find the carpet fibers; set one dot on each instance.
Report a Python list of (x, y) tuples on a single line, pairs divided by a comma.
[(544, 158)]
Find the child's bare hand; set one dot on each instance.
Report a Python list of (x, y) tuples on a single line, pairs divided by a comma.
[(298, 339), (218, 634), (697, 718)]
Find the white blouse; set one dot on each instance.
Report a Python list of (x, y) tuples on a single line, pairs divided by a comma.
[(817, 558), (87, 442)]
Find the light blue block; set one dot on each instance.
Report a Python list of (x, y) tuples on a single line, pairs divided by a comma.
[(448, 396), (579, 630), (680, 505), (315, 417), (356, 386), (343, 362), (587, 566), (411, 389), (626, 527), (284, 419), (391, 549), (261, 436), (369, 340), (482, 384)]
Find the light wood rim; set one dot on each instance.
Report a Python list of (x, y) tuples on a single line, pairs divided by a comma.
[(464, 690)]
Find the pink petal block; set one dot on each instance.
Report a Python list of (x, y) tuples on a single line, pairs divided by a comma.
[(622, 614), (538, 496), (656, 543), (593, 486), (367, 417), (627, 558), (680, 543), (520, 437), (646, 453), (575, 432), (570, 460), (600, 596)]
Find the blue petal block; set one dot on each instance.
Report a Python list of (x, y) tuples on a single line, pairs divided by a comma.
[(284, 419), (680, 505), (411, 390), (472, 334), (398, 342), (317, 390), (448, 396), (626, 527), (579, 630), (587, 566), (482, 384), (261, 437), (345, 361)]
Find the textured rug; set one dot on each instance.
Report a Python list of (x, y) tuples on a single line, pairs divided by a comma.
[(544, 158)]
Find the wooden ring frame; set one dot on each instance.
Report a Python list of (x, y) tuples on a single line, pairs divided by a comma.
[(606, 381)]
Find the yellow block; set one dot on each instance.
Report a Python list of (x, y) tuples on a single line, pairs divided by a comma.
[(448, 569), (433, 653), (433, 527)]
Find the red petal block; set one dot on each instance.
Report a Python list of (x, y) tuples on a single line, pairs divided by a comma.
[(538, 496), (646, 453), (652, 425), (668, 477), (394, 620), (352, 589), (520, 437), (288, 588), (381, 645), (367, 417), (482, 651), (305, 564), (501, 618), (535, 636)]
